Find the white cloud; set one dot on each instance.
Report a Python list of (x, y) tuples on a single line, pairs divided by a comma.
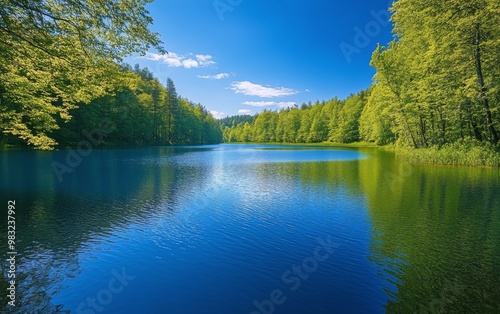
[(286, 104), (219, 76), (203, 57), (217, 114), (244, 111), (190, 63), (175, 60), (171, 59), (251, 89), (205, 60)]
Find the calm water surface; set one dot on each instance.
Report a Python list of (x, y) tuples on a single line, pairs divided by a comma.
[(250, 229)]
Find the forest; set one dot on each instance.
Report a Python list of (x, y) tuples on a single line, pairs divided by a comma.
[(141, 111), (435, 95), (62, 76)]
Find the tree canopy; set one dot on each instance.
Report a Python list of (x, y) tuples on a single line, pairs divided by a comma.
[(60, 54), (440, 76), (138, 111)]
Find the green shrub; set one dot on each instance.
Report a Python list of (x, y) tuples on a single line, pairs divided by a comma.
[(466, 152)]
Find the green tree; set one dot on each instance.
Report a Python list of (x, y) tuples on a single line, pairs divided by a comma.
[(319, 127), (305, 124), (440, 74), (172, 110), (264, 127), (375, 123), (59, 54)]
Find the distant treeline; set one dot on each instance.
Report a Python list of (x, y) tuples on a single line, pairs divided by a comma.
[(141, 111), (235, 120), (137, 110), (437, 84), (334, 121)]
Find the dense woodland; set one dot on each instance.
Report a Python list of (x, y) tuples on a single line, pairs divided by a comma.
[(140, 111), (334, 121), (437, 84), (235, 120), (61, 77)]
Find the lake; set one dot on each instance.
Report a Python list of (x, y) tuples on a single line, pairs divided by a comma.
[(249, 229)]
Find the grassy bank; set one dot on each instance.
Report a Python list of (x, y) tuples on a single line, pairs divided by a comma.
[(462, 153)]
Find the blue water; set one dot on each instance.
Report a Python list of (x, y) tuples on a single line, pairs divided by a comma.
[(214, 229)]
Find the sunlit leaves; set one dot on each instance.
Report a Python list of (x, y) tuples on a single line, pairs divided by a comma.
[(58, 54), (432, 70)]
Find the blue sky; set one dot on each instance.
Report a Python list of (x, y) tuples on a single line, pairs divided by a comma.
[(244, 56)]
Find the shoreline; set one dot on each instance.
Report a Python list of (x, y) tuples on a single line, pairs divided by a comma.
[(463, 156), (475, 156)]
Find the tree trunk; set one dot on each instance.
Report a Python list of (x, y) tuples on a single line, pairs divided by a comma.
[(422, 130), (482, 87), (472, 122), (443, 125), (415, 145)]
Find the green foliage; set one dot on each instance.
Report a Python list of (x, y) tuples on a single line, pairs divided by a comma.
[(58, 54), (346, 128), (173, 110), (291, 126), (467, 152), (367, 116), (137, 112), (60, 78), (375, 123), (438, 81), (318, 130), (437, 84), (335, 120), (264, 127), (235, 120)]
